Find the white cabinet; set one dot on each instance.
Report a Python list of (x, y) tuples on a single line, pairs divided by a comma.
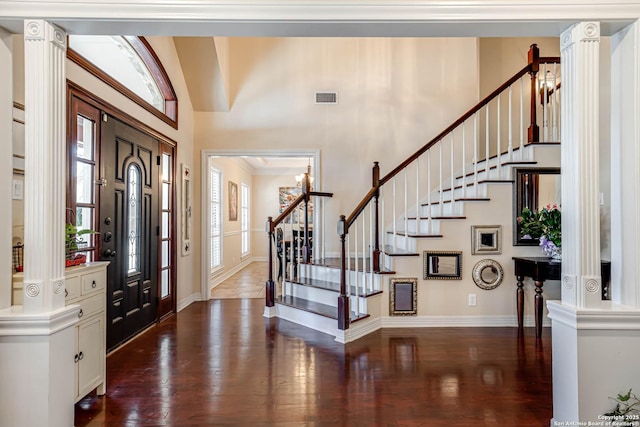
[(85, 286)]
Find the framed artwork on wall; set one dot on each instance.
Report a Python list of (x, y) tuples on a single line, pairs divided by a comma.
[(403, 297), (443, 265), (233, 201), (486, 239)]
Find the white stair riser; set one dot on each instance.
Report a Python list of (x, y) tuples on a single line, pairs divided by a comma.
[(307, 319), (330, 274)]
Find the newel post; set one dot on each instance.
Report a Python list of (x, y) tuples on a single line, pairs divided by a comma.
[(534, 64), (306, 190), (270, 296), (376, 212), (343, 299)]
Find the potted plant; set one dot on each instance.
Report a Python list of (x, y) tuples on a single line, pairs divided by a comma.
[(545, 225), (75, 241)]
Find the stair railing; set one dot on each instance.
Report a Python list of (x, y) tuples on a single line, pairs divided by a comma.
[(442, 164), (298, 250)]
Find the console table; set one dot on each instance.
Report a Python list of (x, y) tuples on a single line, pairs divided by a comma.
[(541, 269)]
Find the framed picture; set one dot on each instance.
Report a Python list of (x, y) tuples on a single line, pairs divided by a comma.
[(443, 265), (486, 239), (403, 297), (233, 201)]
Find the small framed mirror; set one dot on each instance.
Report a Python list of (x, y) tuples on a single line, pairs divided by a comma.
[(487, 274), (534, 188), (442, 265)]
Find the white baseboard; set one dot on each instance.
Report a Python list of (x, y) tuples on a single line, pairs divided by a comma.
[(358, 330), (184, 303), (457, 321)]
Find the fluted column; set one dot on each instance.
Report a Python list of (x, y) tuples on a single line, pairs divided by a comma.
[(581, 278), (45, 166)]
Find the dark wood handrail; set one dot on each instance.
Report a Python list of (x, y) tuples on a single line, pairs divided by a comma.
[(455, 124), (549, 59), (360, 207), (287, 211)]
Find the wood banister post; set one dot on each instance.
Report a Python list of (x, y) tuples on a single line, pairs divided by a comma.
[(343, 299), (375, 262), (270, 296), (534, 67), (306, 190)]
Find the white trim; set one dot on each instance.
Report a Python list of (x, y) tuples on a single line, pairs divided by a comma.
[(14, 322), (608, 317), (231, 233), (204, 243), (456, 321), (320, 18), (185, 302), (269, 312), (358, 330)]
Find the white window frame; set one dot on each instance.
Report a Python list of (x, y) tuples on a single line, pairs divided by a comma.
[(213, 267), (245, 220)]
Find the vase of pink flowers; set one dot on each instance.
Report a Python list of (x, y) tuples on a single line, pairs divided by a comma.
[(545, 225)]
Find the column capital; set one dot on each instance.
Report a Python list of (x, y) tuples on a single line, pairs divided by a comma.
[(41, 30), (580, 32)]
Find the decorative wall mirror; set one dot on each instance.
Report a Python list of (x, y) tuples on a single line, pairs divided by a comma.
[(487, 274), (534, 188), (403, 297), (443, 265)]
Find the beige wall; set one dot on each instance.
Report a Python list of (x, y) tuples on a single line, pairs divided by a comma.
[(394, 95), (6, 57), (164, 48)]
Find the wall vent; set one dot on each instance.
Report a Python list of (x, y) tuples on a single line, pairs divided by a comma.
[(326, 97)]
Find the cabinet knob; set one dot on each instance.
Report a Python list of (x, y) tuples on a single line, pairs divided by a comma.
[(93, 284), (81, 313), (80, 356), (75, 358)]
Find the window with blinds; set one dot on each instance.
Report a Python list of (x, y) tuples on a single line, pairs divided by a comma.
[(215, 212), (244, 218)]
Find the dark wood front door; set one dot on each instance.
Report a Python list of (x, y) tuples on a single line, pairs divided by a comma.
[(129, 228)]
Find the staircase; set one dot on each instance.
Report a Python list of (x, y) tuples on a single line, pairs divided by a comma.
[(428, 201)]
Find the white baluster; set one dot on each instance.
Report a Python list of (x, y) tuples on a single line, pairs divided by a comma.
[(464, 162), (499, 146), (452, 181), (393, 215), (486, 146), (441, 197), (383, 234), (510, 114), (429, 214), (364, 252), (475, 153), (521, 119), (555, 103), (406, 196), (418, 195)]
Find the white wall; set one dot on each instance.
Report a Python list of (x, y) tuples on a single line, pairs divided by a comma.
[(6, 103)]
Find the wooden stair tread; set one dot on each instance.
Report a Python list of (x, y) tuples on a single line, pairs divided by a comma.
[(459, 199), (389, 250), (335, 263), (413, 218), (484, 169), (315, 307), (330, 286), (416, 235)]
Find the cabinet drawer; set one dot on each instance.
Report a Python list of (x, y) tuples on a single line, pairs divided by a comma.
[(92, 282), (91, 305), (72, 285)]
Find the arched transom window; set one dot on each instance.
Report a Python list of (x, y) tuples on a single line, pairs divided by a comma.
[(128, 64)]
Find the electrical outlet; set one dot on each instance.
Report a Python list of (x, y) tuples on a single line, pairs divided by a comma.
[(472, 300)]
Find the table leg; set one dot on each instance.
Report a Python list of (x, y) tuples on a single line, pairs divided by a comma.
[(538, 307), (520, 302)]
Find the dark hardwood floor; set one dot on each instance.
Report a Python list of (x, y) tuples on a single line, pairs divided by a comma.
[(220, 363)]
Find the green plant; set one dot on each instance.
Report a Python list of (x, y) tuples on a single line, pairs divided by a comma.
[(626, 404), (546, 223), (73, 239)]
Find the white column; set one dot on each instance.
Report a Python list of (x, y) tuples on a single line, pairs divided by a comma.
[(625, 166), (596, 343), (6, 101), (581, 278), (45, 166)]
